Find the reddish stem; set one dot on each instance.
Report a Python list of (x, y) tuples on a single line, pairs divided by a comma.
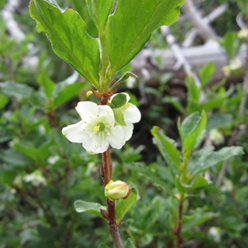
[(106, 173), (178, 229)]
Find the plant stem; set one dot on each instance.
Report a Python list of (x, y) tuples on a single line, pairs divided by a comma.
[(107, 176), (178, 229)]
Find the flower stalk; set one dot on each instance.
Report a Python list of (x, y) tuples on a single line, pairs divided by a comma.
[(106, 173)]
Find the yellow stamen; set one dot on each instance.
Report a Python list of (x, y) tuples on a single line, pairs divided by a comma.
[(96, 128)]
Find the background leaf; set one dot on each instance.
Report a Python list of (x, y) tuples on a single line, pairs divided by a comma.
[(208, 160)]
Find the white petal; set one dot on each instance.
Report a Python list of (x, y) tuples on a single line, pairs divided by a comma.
[(97, 143), (86, 109), (132, 114), (128, 130), (75, 133), (108, 113), (117, 137)]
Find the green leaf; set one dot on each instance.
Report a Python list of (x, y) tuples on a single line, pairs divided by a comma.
[(166, 146), (129, 244), (123, 205), (119, 100), (152, 176), (243, 5), (48, 85), (217, 121), (81, 8), (99, 11), (124, 78), (7, 177), (205, 162), (228, 43), (119, 117), (29, 151), (67, 32), (195, 183), (197, 218), (17, 90), (14, 158), (194, 94), (129, 28), (90, 207), (3, 101), (67, 93), (206, 73), (191, 128)]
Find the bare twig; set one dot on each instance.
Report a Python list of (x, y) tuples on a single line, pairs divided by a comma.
[(203, 28), (207, 19)]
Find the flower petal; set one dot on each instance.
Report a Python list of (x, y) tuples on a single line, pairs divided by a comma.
[(128, 130), (86, 109), (108, 113), (117, 137), (75, 133), (97, 143), (132, 114)]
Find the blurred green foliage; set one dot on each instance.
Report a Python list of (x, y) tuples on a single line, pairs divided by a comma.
[(42, 174)]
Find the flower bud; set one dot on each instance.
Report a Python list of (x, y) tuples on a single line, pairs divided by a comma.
[(116, 190)]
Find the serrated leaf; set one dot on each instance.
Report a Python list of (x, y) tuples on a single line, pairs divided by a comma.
[(48, 85), (205, 162), (90, 207), (139, 19), (123, 205), (67, 32), (206, 73), (99, 11), (119, 100), (166, 146), (129, 244)]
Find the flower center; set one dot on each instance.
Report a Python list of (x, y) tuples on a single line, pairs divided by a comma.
[(99, 127)]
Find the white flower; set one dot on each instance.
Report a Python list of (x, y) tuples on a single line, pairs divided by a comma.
[(216, 137), (131, 115), (243, 33), (36, 179), (235, 64), (97, 130)]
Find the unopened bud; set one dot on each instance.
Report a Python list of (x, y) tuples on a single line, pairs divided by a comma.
[(89, 93), (116, 190)]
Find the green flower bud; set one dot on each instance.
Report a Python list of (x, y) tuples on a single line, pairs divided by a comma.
[(116, 190)]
